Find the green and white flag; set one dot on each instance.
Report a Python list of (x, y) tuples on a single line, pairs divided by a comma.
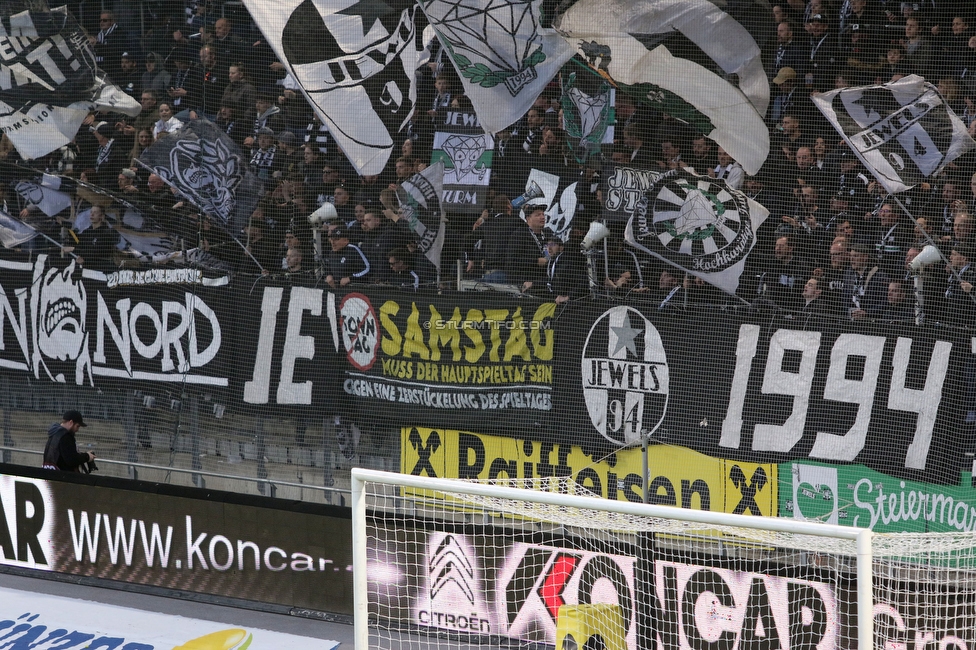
[(502, 53), (627, 42), (697, 224)]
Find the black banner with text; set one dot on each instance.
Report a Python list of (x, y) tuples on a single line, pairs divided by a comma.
[(592, 374), (887, 398)]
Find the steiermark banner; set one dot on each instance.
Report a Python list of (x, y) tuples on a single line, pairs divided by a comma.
[(854, 495)]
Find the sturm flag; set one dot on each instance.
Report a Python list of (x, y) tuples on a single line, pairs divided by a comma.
[(557, 194), (420, 206), (466, 151), (637, 46), (902, 131), (587, 116), (697, 224), (206, 167), (503, 55), (355, 61), (48, 80)]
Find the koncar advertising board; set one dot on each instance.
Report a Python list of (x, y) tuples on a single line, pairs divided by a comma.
[(248, 549), (678, 476), (503, 585), (493, 586)]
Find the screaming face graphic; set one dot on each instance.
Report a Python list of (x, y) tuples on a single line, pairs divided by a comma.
[(59, 307)]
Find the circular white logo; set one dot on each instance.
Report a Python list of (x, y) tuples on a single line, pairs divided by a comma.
[(625, 376), (697, 218), (360, 331)]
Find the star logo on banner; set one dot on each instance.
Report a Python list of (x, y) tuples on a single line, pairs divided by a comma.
[(624, 376), (626, 336)]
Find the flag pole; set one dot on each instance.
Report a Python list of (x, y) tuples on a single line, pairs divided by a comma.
[(42, 234), (952, 271)]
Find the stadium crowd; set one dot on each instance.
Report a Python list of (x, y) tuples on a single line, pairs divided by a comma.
[(835, 242)]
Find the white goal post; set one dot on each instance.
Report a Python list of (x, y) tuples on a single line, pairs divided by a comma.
[(557, 506)]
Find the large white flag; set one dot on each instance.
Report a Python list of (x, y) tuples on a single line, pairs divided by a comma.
[(626, 40), (49, 82), (903, 131), (355, 61), (503, 56), (697, 224)]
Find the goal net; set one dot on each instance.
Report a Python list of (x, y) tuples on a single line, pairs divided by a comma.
[(457, 564), (442, 563)]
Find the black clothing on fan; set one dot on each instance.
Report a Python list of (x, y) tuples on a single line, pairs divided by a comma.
[(61, 450)]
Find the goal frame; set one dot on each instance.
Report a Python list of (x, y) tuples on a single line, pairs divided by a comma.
[(861, 536)]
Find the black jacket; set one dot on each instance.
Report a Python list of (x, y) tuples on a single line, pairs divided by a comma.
[(62, 450)]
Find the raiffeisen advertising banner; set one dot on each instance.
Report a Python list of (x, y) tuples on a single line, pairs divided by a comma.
[(199, 541), (854, 495), (42, 622), (677, 476)]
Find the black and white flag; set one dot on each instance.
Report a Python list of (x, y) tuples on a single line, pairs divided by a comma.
[(207, 168), (355, 61), (48, 80), (695, 59), (466, 151), (903, 131), (697, 224), (420, 205)]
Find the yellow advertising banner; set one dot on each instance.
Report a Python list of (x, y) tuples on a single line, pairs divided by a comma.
[(678, 476)]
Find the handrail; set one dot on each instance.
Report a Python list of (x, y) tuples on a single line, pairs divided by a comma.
[(270, 482)]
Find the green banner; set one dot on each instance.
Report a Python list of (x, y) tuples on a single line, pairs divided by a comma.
[(854, 495)]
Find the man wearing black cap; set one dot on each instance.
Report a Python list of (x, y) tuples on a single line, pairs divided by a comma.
[(565, 275), (130, 77), (345, 263), (181, 86), (264, 156), (61, 451), (527, 248)]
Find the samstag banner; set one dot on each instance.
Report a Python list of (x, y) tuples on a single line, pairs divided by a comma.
[(477, 358), (761, 393)]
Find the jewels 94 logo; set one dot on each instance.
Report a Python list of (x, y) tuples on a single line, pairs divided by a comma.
[(625, 376)]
